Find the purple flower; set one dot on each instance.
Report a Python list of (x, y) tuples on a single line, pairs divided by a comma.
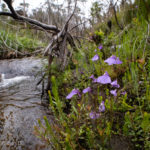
[(88, 89), (114, 92), (115, 84), (92, 77), (118, 61), (94, 115), (72, 93), (102, 107), (100, 47), (123, 93), (95, 50), (113, 60), (104, 79), (95, 58)]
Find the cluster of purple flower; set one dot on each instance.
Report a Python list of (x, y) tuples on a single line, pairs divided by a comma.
[(104, 79), (96, 57)]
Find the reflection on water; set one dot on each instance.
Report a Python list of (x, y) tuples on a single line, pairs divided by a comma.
[(20, 104)]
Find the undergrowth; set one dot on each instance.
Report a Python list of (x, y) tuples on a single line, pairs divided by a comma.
[(16, 40), (79, 123)]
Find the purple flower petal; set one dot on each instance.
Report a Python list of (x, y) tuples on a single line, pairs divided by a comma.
[(118, 61), (92, 77), (114, 92), (72, 93), (95, 50), (104, 79), (123, 93), (94, 115), (106, 73), (88, 89), (113, 60), (95, 58), (94, 80), (100, 47), (115, 84), (102, 107)]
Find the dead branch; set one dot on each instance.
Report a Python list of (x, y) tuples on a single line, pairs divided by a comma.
[(116, 18), (16, 16), (115, 13)]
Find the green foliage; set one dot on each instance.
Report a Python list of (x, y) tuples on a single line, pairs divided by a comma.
[(143, 9), (15, 41), (127, 116), (137, 127), (130, 13), (100, 34), (19, 43)]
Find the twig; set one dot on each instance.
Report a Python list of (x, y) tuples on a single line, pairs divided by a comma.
[(81, 37), (123, 30), (11, 47), (77, 25)]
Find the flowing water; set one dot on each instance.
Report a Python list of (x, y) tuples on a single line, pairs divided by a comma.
[(20, 104)]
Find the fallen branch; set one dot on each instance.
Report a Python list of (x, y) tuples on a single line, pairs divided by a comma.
[(16, 16)]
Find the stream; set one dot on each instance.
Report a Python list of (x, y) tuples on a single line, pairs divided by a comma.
[(20, 104)]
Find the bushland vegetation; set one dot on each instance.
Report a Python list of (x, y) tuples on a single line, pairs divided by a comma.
[(101, 98)]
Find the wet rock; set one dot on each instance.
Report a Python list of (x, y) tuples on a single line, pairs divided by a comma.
[(20, 107)]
